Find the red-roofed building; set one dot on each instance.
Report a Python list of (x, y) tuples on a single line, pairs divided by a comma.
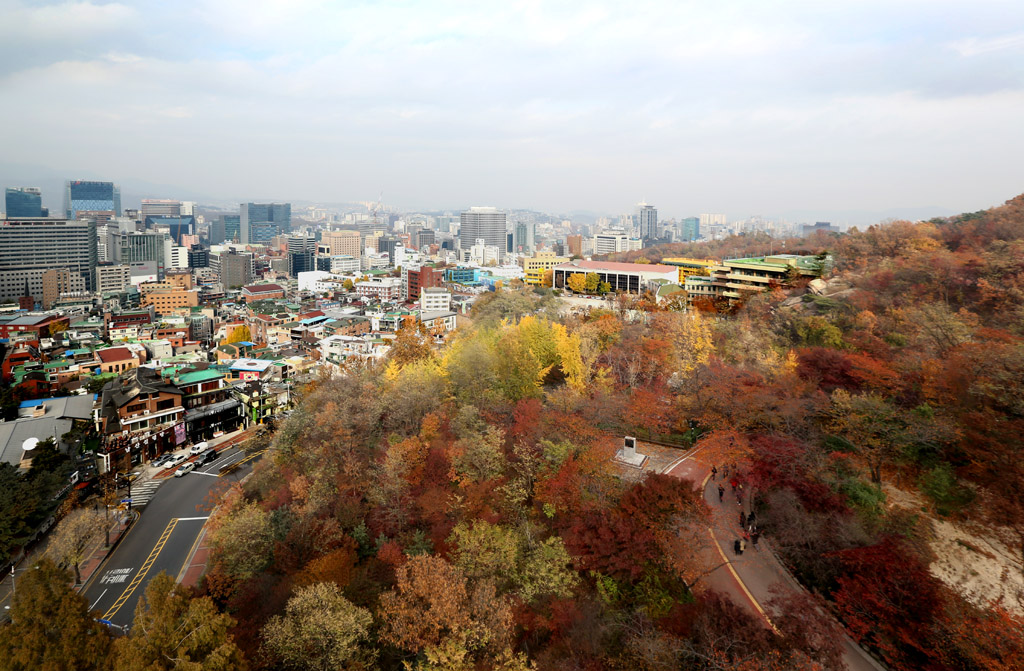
[(631, 278), (117, 359), (262, 292)]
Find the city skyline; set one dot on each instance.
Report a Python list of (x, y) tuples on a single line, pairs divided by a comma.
[(741, 109)]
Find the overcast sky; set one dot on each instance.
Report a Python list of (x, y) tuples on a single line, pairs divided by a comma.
[(738, 107)]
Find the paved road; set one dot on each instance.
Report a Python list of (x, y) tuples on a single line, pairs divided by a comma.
[(747, 579), (162, 538)]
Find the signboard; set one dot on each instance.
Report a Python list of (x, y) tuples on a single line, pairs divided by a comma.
[(179, 433)]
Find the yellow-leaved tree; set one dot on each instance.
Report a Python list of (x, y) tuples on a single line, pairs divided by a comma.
[(577, 282)]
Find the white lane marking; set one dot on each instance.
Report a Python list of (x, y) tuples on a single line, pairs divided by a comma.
[(190, 519), (114, 576), (212, 475), (97, 600)]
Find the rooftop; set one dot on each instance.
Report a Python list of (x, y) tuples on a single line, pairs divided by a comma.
[(618, 267)]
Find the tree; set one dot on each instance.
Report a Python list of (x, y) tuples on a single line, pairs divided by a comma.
[(593, 281), (75, 533), (433, 610), (577, 282), (238, 334), (51, 627), (243, 541), (411, 343), (170, 631), (321, 629), (348, 285), (547, 280), (889, 600), (871, 423)]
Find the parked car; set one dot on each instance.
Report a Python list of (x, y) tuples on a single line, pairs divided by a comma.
[(199, 447), (185, 469), (161, 461), (174, 461)]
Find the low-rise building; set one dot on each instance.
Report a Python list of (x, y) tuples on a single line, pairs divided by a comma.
[(535, 267), (260, 292), (632, 278), (380, 288), (435, 299)]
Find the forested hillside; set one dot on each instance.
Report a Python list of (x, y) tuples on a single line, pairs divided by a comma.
[(459, 508)]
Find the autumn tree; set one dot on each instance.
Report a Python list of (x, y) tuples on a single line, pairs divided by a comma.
[(238, 334), (321, 629), (51, 628), (171, 631), (547, 280), (73, 540), (434, 610), (243, 540), (577, 282)]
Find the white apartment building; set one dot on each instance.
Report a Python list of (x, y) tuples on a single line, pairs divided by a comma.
[(380, 288), (345, 263), (435, 299)]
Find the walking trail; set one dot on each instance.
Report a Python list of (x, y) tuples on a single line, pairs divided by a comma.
[(747, 579)]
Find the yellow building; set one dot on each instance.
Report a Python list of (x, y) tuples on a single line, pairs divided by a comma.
[(689, 267), (534, 268)]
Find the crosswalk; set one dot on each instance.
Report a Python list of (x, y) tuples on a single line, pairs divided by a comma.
[(141, 494)]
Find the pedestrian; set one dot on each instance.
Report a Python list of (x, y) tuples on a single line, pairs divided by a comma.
[(725, 471), (743, 519), (714, 472), (732, 483), (736, 547), (751, 516), (743, 545), (754, 537), (739, 500), (721, 493)]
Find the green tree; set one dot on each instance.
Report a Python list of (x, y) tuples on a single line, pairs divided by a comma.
[(51, 628), (321, 630), (593, 281), (170, 631)]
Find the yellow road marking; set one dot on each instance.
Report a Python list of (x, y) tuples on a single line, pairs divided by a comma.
[(141, 575), (238, 463), (742, 585)]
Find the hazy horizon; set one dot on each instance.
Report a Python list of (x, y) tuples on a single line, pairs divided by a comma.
[(746, 109)]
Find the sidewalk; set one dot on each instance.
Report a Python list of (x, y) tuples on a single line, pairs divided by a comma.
[(148, 472), (748, 578), (96, 554)]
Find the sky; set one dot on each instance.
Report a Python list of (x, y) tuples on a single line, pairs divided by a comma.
[(738, 107)]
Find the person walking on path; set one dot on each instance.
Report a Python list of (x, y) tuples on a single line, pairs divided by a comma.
[(732, 483), (743, 520), (754, 537), (714, 472), (736, 547), (721, 493), (743, 545)]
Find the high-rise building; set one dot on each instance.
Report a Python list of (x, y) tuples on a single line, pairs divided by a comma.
[(24, 201), (112, 279), (232, 227), (58, 282), (198, 257), (424, 237), (523, 241), (259, 222), (647, 221), (177, 226), (690, 229), (235, 269), (152, 207), (386, 245), (30, 246), (143, 249), (301, 254), (575, 244), (707, 220), (82, 195), (342, 242), (482, 223)]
